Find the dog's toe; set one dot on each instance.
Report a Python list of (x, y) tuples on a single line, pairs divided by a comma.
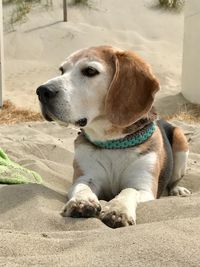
[(81, 208), (116, 219), (180, 191)]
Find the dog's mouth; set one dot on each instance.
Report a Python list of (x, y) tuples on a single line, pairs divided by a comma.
[(82, 122), (46, 114), (49, 116)]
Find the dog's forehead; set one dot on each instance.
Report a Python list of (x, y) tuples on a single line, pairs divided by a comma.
[(100, 53)]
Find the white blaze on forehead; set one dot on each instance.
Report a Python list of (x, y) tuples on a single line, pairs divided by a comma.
[(66, 64), (71, 59), (80, 51), (87, 93)]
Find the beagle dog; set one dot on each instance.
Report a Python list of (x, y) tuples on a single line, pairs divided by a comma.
[(123, 154)]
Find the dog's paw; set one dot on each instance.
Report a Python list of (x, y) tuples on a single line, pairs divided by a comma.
[(116, 216), (77, 207), (180, 191)]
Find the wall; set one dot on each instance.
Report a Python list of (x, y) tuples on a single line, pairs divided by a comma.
[(191, 52)]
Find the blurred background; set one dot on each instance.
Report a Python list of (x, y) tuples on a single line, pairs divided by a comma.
[(36, 41)]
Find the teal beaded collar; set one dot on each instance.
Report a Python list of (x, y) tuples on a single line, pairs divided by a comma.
[(130, 140)]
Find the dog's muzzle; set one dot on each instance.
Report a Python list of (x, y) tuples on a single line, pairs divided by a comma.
[(46, 95)]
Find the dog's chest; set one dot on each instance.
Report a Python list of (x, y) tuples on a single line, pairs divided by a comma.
[(114, 168), (112, 161)]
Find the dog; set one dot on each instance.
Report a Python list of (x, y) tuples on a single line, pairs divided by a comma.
[(124, 154)]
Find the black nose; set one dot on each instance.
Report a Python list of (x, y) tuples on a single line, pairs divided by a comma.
[(46, 93)]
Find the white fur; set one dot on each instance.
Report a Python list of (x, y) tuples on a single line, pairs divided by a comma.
[(180, 164), (180, 191), (113, 170), (79, 96), (98, 129), (124, 204), (79, 195), (122, 174)]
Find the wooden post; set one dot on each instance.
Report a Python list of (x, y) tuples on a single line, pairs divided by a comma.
[(1, 55), (64, 10)]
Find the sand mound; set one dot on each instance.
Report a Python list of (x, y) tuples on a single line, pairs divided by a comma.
[(32, 232)]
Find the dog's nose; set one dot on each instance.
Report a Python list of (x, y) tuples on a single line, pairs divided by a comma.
[(46, 93)]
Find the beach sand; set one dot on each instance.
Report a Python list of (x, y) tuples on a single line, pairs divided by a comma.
[(32, 231)]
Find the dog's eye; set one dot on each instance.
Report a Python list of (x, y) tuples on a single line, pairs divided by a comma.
[(90, 72), (61, 70)]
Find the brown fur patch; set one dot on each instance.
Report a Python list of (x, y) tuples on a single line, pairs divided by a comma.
[(155, 173), (149, 117), (132, 90), (114, 130), (179, 141), (155, 143), (77, 170), (80, 139)]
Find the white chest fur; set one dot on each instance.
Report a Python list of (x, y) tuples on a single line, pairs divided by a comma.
[(111, 171)]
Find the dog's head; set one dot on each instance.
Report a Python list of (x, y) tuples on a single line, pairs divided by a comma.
[(99, 81)]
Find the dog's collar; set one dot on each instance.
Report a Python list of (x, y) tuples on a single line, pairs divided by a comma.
[(130, 140)]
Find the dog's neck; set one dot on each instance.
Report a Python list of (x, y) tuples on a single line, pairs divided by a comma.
[(101, 128)]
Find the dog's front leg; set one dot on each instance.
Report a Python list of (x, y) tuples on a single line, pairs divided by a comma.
[(83, 201), (121, 211)]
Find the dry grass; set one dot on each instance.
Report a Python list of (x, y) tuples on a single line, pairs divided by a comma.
[(172, 4), (189, 113), (80, 2), (10, 114), (20, 10)]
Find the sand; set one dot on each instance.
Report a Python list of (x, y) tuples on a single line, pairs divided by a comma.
[(32, 231)]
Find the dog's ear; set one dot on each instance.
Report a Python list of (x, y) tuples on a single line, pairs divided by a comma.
[(131, 92)]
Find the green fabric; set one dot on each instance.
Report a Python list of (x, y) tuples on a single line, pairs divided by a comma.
[(129, 141), (13, 173)]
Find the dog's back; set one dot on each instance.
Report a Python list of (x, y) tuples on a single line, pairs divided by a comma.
[(176, 152)]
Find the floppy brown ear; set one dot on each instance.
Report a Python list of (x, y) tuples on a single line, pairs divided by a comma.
[(132, 90)]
